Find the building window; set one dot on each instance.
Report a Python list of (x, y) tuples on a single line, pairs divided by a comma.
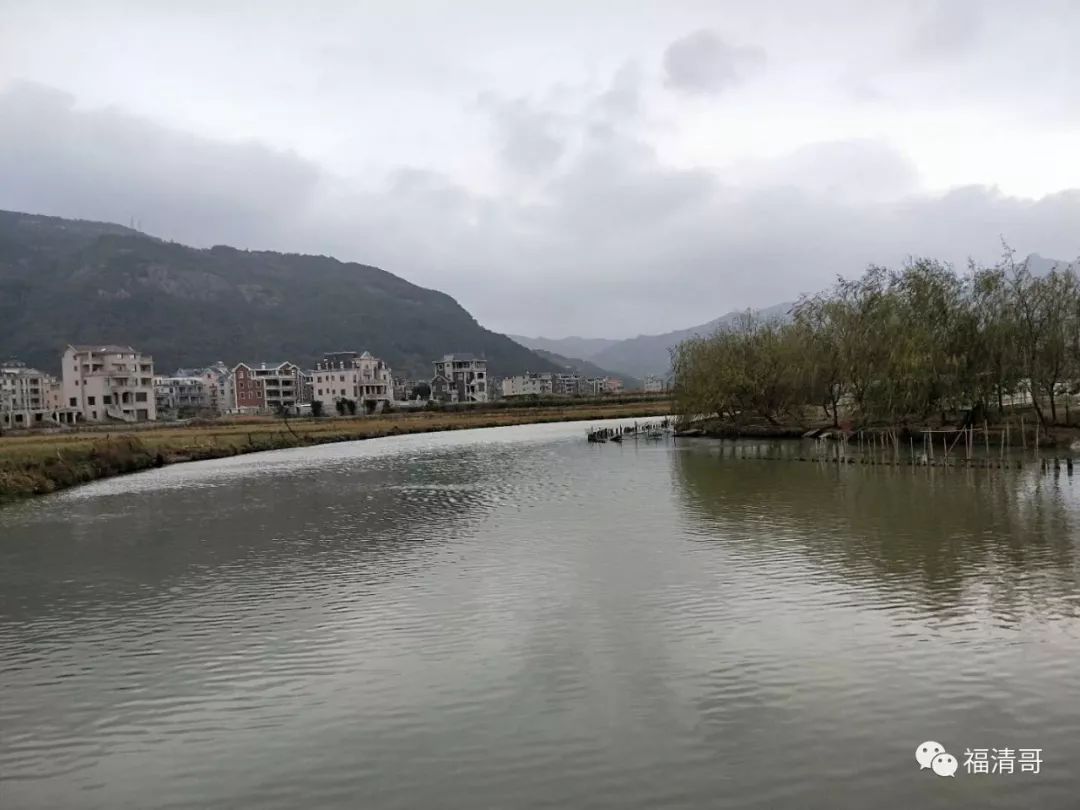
[(140, 396), (73, 402), (90, 401)]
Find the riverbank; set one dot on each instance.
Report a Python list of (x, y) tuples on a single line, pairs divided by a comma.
[(39, 464), (1021, 431)]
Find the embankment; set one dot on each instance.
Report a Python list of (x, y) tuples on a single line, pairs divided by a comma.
[(39, 464)]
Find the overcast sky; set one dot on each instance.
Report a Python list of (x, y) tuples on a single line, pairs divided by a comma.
[(593, 168)]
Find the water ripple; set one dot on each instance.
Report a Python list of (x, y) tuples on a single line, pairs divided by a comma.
[(515, 618)]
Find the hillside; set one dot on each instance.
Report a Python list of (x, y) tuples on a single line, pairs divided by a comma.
[(589, 369), (571, 347), (637, 357), (70, 281)]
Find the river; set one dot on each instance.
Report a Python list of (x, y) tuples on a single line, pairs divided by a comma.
[(514, 618)]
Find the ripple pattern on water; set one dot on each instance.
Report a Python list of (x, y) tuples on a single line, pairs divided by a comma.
[(514, 618)]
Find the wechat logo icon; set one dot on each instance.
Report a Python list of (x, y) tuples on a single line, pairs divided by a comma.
[(933, 755)]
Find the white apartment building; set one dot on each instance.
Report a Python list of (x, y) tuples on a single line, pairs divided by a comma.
[(524, 385), (528, 384), (217, 380), (181, 394), (30, 398), (653, 384), (542, 384), (460, 378), (345, 376), (109, 382)]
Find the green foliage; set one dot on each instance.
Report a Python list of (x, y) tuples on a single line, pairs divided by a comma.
[(316, 408), (895, 346)]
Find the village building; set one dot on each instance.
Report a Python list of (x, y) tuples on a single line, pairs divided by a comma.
[(181, 395), (266, 388), (218, 383), (343, 377), (108, 383), (460, 378), (653, 384), (30, 398)]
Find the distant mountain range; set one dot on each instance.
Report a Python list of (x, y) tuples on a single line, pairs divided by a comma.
[(644, 355), (72, 281), (647, 355), (568, 346)]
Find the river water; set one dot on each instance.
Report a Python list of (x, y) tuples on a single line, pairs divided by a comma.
[(513, 618)]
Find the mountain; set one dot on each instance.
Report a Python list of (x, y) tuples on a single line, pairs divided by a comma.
[(585, 348), (1041, 266), (71, 281), (647, 355), (588, 369)]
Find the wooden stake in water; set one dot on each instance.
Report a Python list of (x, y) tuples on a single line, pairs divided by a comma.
[(986, 438)]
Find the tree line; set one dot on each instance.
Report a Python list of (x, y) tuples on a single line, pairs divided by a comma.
[(896, 347)]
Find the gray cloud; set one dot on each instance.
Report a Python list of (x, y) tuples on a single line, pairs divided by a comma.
[(946, 29), (612, 240), (702, 62), (110, 165), (860, 169), (528, 137)]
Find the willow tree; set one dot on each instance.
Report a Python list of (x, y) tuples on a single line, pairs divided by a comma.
[(995, 343), (818, 326), (1046, 308)]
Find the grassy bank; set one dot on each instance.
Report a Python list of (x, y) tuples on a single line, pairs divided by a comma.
[(38, 464)]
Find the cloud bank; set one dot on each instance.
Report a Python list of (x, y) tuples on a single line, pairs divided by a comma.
[(581, 218)]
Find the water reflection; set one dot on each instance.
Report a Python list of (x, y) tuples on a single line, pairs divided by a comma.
[(940, 538), (517, 618), (370, 516)]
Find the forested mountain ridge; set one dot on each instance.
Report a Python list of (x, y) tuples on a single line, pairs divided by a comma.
[(73, 281)]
